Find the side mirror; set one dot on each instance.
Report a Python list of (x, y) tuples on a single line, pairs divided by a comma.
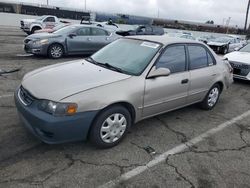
[(158, 72), (72, 35)]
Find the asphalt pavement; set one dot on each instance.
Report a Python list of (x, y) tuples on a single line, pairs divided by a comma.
[(189, 147)]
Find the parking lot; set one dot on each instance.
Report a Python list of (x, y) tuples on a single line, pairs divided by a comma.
[(185, 148)]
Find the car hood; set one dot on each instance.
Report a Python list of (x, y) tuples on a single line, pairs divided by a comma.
[(28, 20), (216, 43), (60, 81), (243, 57)]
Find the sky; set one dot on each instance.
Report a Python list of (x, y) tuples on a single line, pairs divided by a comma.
[(191, 10)]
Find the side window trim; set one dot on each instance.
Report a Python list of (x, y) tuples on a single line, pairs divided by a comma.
[(172, 45), (207, 53)]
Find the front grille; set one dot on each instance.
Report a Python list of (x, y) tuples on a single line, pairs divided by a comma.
[(214, 48), (25, 97), (240, 68), (22, 24)]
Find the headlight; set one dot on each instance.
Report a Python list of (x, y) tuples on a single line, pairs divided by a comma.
[(40, 42), (56, 108)]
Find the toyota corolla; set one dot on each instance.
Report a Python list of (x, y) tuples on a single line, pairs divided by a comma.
[(131, 79)]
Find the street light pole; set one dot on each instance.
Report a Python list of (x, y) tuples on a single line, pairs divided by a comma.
[(245, 28)]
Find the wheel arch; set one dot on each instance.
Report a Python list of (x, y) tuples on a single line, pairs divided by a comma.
[(124, 104)]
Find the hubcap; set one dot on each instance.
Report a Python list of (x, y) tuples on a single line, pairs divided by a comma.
[(113, 128), (213, 96), (56, 51)]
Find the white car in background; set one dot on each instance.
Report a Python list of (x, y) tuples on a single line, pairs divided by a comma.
[(240, 61)]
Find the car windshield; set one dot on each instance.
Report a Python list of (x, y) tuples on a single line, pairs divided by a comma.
[(65, 30), (245, 48), (222, 39), (40, 18), (129, 55)]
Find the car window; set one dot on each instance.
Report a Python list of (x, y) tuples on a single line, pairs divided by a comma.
[(198, 56), (130, 55), (85, 31), (210, 59), (50, 19), (174, 58), (98, 32), (149, 29)]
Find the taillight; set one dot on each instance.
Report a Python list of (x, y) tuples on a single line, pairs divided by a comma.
[(228, 65)]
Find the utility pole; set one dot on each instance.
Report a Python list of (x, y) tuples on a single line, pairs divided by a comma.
[(47, 2), (158, 13), (245, 28), (227, 23), (85, 5)]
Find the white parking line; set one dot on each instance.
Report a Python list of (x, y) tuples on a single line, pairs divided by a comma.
[(161, 158), (6, 96)]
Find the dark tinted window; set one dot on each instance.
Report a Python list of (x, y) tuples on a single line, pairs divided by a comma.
[(174, 58), (49, 19), (85, 31), (198, 57), (99, 32)]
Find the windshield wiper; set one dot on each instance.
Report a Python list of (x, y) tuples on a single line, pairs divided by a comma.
[(91, 60), (113, 67), (107, 65)]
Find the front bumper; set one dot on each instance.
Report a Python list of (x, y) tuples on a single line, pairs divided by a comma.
[(51, 129), (34, 49)]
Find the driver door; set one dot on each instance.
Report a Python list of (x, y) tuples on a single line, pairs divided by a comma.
[(81, 42), (166, 93)]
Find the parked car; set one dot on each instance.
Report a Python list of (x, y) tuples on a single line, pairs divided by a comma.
[(51, 30), (29, 26), (240, 61), (106, 25), (205, 38), (181, 35), (69, 40), (96, 100), (224, 45), (143, 30)]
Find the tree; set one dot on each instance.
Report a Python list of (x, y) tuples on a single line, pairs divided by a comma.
[(210, 22)]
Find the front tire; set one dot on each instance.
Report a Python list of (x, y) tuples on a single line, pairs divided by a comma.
[(110, 127), (211, 98), (55, 51), (225, 50)]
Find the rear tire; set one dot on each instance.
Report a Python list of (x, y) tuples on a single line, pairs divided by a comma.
[(211, 98), (55, 51), (225, 50), (110, 127)]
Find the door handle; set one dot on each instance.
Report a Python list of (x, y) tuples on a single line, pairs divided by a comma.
[(89, 39), (185, 81)]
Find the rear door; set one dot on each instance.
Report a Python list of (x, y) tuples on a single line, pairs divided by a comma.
[(166, 93), (81, 42), (99, 38), (202, 72)]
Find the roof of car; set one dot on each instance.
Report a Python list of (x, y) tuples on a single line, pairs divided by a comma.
[(164, 39)]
